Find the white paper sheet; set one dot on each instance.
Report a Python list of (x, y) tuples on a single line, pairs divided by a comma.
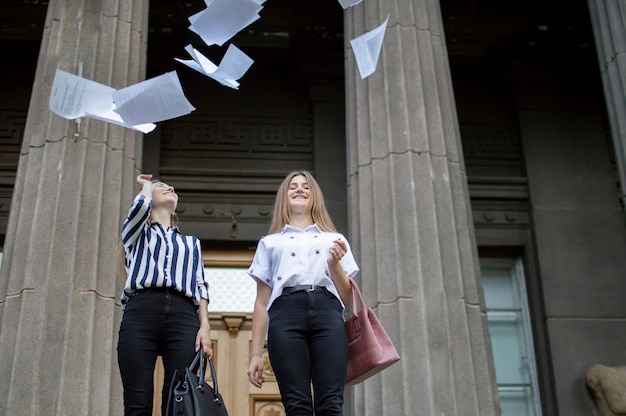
[(72, 96), (234, 65), (367, 48), (112, 117), (223, 19), (349, 3), (136, 107), (153, 100)]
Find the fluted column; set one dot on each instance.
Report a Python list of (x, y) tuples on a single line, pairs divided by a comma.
[(608, 19), (58, 289), (411, 224)]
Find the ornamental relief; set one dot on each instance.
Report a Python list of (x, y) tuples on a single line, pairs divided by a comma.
[(196, 135), (12, 125), (491, 150), (269, 408)]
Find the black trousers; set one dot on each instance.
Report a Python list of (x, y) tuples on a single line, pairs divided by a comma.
[(307, 344), (155, 322)]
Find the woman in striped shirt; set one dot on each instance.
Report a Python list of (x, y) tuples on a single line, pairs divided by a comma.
[(165, 297)]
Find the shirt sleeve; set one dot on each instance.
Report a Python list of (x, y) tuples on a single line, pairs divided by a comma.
[(135, 221), (261, 266), (348, 262), (201, 278)]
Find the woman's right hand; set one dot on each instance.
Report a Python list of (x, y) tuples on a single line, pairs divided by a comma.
[(255, 371), (143, 179)]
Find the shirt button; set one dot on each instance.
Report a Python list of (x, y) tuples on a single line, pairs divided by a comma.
[(267, 280), (292, 237), (326, 273), (280, 278), (293, 254), (317, 252)]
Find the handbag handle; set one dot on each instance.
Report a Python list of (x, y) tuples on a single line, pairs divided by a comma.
[(355, 292), (203, 362), (214, 377)]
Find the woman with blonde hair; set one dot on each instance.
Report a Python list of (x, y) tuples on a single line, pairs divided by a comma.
[(301, 269), (165, 296)]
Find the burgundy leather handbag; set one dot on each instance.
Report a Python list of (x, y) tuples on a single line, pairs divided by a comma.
[(371, 349)]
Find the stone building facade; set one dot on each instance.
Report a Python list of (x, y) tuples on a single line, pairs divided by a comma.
[(489, 138)]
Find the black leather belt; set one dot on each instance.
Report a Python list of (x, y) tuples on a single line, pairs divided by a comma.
[(302, 288)]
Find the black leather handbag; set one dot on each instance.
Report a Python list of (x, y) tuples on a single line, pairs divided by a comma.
[(191, 395)]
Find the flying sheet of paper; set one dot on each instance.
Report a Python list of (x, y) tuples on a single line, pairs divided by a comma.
[(234, 64), (138, 106), (112, 117), (367, 48), (156, 99), (259, 2), (223, 19), (349, 3), (73, 97)]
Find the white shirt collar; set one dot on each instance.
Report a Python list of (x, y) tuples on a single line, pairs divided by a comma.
[(310, 229)]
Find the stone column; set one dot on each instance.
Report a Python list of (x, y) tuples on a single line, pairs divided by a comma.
[(608, 19), (58, 287), (411, 221)]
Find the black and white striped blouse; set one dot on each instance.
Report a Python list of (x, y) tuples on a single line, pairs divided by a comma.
[(159, 256)]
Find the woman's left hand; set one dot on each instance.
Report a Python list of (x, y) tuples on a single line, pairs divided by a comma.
[(340, 279), (203, 340), (337, 251)]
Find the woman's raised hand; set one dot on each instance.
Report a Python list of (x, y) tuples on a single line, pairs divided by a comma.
[(337, 251), (143, 179)]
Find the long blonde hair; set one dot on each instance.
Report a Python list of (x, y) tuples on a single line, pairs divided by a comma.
[(282, 214)]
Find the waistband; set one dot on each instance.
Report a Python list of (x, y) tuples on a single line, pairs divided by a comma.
[(155, 290), (303, 288)]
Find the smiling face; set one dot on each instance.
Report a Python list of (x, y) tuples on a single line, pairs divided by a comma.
[(164, 195), (299, 194)]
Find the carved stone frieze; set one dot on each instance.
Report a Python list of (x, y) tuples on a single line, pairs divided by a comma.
[(500, 219), (499, 202), (491, 150), (201, 135), (12, 124)]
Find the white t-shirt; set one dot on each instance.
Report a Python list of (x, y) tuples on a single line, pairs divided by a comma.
[(295, 257)]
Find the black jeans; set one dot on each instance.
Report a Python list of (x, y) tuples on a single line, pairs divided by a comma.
[(307, 343), (155, 322)]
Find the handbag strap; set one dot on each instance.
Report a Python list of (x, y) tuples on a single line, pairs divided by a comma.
[(214, 377), (356, 293), (193, 364), (195, 360), (203, 363)]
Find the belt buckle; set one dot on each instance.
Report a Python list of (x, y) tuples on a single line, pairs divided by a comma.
[(311, 288)]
